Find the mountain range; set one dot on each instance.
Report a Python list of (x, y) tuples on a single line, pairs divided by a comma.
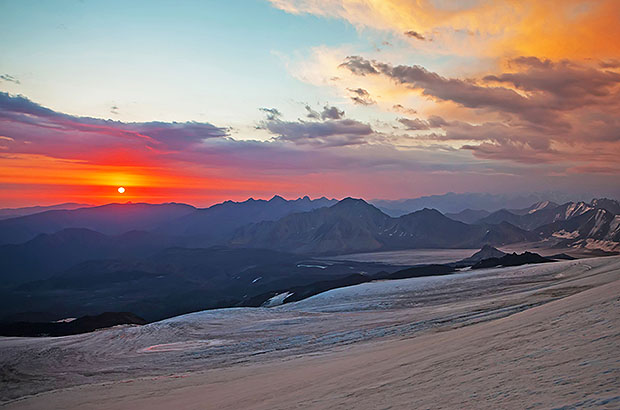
[(207, 226), (111, 219), (457, 202), (50, 241), (353, 225), (593, 225), (6, 213), (539, 214), (166, 259), (210, 225)]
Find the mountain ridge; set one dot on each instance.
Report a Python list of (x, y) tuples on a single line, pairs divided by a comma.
[(353, 225)]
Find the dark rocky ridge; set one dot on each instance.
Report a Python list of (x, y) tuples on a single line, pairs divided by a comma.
[(512, 259), (486, 252), (80, 325)]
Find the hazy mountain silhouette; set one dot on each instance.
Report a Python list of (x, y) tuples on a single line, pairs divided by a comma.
[(538, 206), (468, 216), (212, 224), (6, 213), (206, 227), (112, 219), (455, 203), (352, 225)]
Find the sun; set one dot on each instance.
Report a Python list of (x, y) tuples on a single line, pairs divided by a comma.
[(121, 190)]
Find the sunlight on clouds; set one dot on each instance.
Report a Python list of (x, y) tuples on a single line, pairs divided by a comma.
[(555, 29), (322, 68)]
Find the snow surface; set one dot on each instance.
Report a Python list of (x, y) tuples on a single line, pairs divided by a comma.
[(224, 337), (277, 299)]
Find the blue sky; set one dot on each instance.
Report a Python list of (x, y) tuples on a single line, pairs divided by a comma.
[(216, 61)]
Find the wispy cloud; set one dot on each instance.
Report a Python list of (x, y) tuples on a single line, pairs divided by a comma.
[(415, 34), (360, 96), (414, 124), (272, 113), (9, 78)]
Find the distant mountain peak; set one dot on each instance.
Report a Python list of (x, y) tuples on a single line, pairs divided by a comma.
[(488, 247), (511, 259), (487, 251), (429, 211), (542, 205), (349, 201), (610, 205), (277, 198)]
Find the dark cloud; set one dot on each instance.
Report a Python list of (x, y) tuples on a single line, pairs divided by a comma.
[(462, 92), (358, 65), (534, 62), (436, 121), (517, 151), (271, 113), (327, 133), (331, 113), (9, 78), (327, 113), (403, 109), (18, 112), (312, 113), (15, 105), (361, 96), (28, 128), (459, 91), (414, 34), (563, 85), (179, 135), (547, 111), (551, 89), (414, 124)]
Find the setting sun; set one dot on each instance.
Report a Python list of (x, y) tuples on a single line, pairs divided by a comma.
[(121, 190)]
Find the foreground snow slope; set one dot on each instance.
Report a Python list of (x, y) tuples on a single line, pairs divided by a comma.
[(544, 334)]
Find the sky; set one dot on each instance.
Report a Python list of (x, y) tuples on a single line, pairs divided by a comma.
[(204, 101)]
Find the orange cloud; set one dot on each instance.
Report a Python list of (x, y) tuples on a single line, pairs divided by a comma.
[(575, 29)]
